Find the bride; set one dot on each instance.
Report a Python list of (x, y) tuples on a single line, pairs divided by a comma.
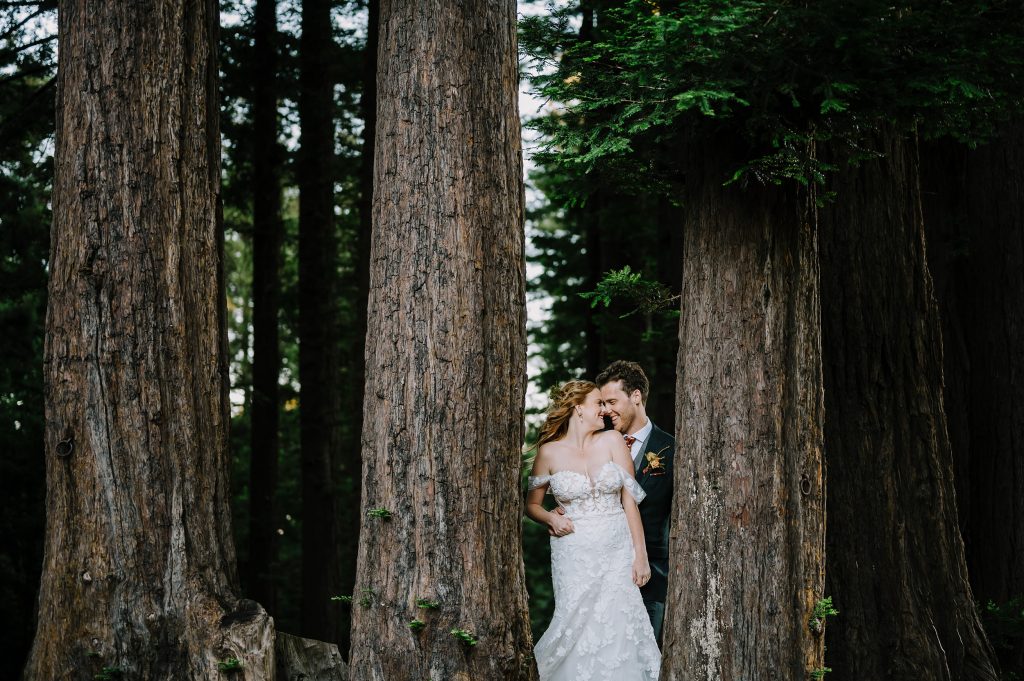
[(600, 629)]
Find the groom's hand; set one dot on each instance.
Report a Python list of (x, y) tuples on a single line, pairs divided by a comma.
[(560, 511)]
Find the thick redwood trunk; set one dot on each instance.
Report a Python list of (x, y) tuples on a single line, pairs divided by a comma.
[(446, 354), (974, 212), (139, 568), (318, 324), (895, 557), (995, 187), (266, 286), (748, 527)]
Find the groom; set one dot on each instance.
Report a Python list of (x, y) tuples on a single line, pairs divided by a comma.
[(624, 389)]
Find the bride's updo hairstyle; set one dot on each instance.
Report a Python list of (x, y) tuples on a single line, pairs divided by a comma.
[(564, 399)]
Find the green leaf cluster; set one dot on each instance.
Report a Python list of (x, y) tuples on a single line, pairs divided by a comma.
[(774, 76)]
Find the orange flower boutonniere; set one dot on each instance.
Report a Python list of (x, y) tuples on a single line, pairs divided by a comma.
[(655, 464)]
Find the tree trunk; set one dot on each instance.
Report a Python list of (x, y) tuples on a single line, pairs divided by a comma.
[(139, 570), (266, 286), (446, 354), (305, 659), (589, 223), (593, 334), (353, 453), (318, 324), (748, 525), (661, 407), (980, 259), (995, 185), (943, 203), (895, 557)]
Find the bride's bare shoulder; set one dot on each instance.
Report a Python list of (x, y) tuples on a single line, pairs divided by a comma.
[(547, 451), (609, 436)]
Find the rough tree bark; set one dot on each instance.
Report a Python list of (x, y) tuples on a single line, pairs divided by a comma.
[(266, 285), (748, 528), (139, 570), (318, 324), (446, 353), (995, 185), (976, 246), (895, 557)]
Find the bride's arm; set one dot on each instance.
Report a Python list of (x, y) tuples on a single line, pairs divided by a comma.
[(558, 524), (620, 455)]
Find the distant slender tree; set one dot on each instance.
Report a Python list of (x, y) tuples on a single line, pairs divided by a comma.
[(446, 354), (349, 535), (318, 323), (268, 232), (26, 171), (139, 570)]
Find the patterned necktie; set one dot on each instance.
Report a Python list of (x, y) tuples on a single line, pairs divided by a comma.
[(629, 442)]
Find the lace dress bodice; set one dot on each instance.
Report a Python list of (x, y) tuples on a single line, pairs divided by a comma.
[(579, 495)]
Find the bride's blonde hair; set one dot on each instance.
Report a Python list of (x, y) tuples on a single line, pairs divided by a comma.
[(564, 399)]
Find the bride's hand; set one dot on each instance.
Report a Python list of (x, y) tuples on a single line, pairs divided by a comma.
[(560, 525), (559, 511), (641, 571)]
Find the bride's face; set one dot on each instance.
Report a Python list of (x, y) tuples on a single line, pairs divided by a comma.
[(591, 411)]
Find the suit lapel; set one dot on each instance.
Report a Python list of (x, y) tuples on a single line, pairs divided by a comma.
[(653, 443), (641, 477)]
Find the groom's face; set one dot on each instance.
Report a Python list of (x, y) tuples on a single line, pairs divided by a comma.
[(619, 406)]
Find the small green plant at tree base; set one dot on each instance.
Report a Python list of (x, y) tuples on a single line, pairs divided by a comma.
[(417, 624), (342, 599), (382, 513), (427, 604), (467, 638), (1004, 623), (367, 600), (232, 664), (109, 674), (820, 672), (822, 610)]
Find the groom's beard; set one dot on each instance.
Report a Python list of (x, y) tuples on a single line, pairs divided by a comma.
[(608, 423)]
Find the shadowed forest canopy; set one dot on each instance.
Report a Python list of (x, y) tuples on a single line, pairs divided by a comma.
[(804, 220)]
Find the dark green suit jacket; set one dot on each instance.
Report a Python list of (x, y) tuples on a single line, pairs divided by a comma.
[(656, 510)]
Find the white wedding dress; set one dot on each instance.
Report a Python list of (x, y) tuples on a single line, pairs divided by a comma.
[(600, 629)]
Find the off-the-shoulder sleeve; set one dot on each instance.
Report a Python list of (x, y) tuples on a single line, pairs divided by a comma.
[(631, 485), (536, 481)]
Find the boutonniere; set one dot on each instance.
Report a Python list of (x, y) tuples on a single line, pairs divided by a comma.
[(655, 464)]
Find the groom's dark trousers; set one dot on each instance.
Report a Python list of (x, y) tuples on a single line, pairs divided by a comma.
[(655, 514)]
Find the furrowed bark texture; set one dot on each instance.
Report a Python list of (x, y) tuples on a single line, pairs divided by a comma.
[(895, 557), (318, 325), (995, 176), (139, 567), (747, 538), (976, 251), (446, 352), (268, 233)]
